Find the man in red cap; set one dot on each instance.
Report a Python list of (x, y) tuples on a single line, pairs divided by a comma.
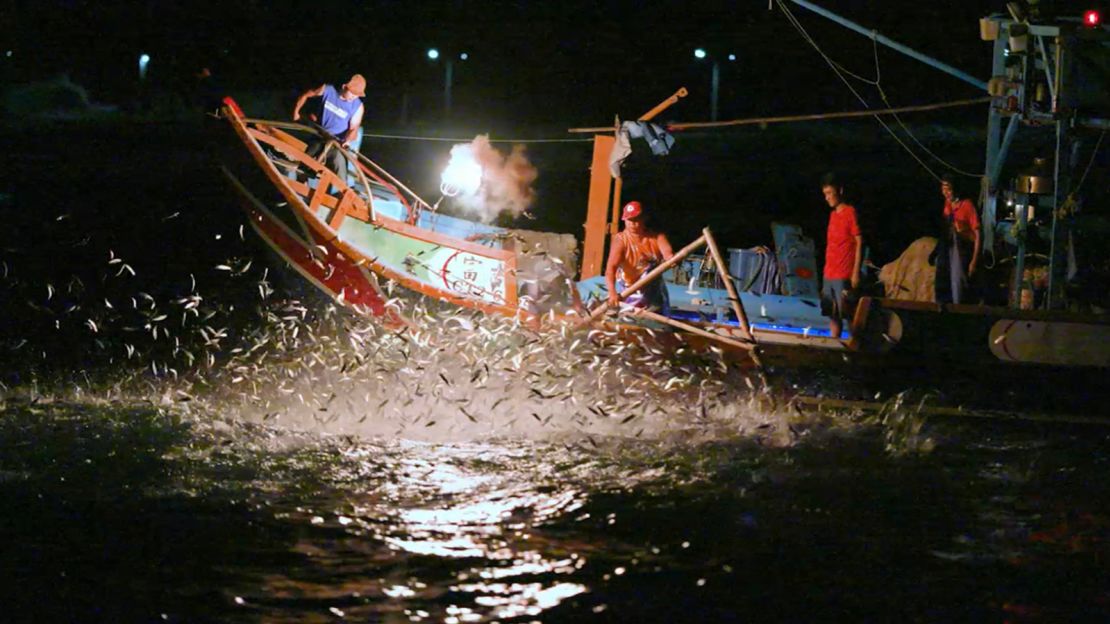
[(340, 115), (635, 251)]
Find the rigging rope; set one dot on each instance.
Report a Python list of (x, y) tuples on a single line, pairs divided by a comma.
[(840, 73), (877, 83), (1090, 162)]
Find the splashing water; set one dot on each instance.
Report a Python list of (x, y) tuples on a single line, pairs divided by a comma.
[(195, 443)]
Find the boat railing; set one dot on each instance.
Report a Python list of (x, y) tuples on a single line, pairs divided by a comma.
[(367, 166)]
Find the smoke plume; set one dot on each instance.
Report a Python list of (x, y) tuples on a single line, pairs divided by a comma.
[(506, 181)]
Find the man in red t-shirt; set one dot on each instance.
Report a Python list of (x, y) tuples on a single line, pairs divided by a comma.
[(843, 253)]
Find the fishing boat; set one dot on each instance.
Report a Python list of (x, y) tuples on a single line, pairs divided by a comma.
[(359, 233), (352, 233)]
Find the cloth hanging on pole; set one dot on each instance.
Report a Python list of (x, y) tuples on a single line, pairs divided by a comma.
[(659, 140)]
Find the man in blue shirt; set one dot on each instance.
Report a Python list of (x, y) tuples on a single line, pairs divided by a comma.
[(340, 115)]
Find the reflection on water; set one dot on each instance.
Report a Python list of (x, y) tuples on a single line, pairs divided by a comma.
[(463, 514), (131, 514)]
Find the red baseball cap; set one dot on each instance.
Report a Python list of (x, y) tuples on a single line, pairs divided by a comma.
[(632, 210)]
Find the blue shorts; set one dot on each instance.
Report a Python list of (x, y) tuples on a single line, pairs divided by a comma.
[(833, 294)]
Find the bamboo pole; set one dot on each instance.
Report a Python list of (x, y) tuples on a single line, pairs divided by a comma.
[(618, 185), (813, 117), (747, 346), (957, 412), (648, 277), (664, 105), (733, 297)]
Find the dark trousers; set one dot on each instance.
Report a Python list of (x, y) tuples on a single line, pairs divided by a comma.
[(335, 160), (953, 257)]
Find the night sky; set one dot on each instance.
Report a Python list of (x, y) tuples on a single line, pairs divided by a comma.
[(562, 64), (536, 69)]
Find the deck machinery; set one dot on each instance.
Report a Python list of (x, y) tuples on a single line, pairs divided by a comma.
[(1049, 74)]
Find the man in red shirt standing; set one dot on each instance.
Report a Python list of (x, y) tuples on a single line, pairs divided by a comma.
[(843, 253)]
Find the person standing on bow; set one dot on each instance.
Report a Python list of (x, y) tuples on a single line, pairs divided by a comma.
[(843, 254), (635, 251), (958, 248), (340, 114)]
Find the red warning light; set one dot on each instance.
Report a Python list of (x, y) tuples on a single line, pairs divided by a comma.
[(1092, 18)]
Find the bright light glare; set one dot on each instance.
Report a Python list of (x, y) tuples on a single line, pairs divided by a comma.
[(464, 56), (732, 57), (463, 173), (699, 53), (9, 54), (433, 53), (1092, 18), (144, 61)]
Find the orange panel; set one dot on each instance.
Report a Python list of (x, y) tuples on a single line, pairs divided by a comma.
[(593, 247)]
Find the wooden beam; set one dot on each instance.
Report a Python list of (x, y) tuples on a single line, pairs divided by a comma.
[(956, 412), (793, 118), (730, 288), (593, 244), (686, 327), (323, 183), (665, 104), (342, 210)]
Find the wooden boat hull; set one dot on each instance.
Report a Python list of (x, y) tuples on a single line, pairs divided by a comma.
[(341, 241), (982, 336)]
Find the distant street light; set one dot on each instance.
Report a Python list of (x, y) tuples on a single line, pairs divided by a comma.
[(448, 74), (144, 62), (715, 79)]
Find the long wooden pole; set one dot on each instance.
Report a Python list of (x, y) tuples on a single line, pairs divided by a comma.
[(733, 297), (812, 117), (958, 412), (664, 105), (647, 277), (747, 346)]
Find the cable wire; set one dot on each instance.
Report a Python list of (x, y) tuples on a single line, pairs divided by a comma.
[(1090, 162), (837, 70), (402, 137)]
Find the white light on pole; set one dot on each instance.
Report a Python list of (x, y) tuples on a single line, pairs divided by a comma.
[(714, 80), (448, 74), (144, 62)]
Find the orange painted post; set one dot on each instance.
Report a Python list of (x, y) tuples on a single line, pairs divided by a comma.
[(664, 105), (593, 246), (614, 222)]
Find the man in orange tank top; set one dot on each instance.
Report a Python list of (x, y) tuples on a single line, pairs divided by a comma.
[(635, 251)]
